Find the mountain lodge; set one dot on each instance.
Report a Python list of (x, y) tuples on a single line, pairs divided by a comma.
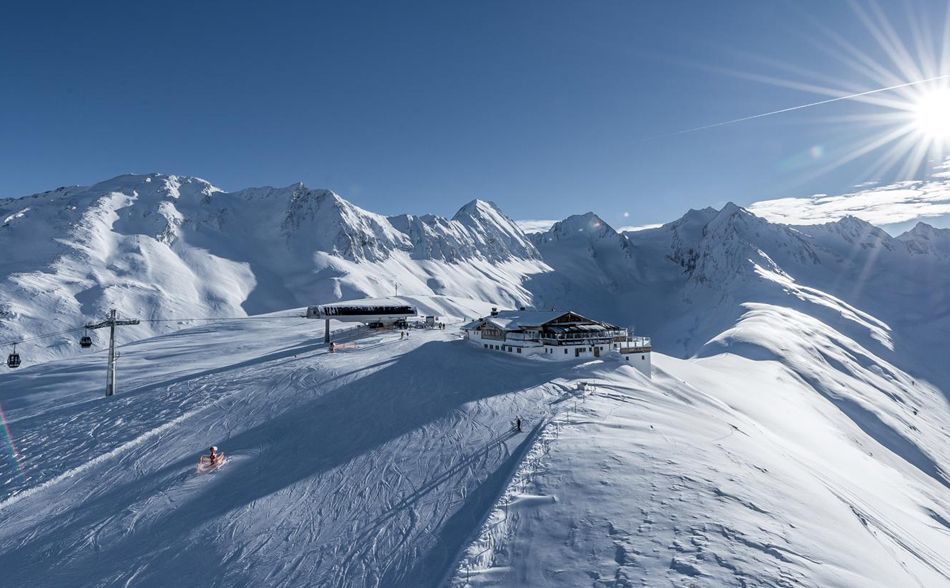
[(557, 335)]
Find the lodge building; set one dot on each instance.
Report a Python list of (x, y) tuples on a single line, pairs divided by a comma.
[(557, 335)]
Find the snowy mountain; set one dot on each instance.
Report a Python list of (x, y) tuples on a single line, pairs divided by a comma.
[(795, 432), (161, 247), (924, 239)]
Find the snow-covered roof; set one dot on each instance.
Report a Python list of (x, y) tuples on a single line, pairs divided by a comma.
[(369, 302), (513, 320), (367, 307), (576, 328)]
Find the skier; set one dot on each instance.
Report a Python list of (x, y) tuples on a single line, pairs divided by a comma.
[(518, 424), (213, 457)]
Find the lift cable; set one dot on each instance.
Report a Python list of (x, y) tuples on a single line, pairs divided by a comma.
[(170, 320), (40, 336), (221, 319)]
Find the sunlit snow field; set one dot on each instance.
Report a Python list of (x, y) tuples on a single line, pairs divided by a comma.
[(395, 463)]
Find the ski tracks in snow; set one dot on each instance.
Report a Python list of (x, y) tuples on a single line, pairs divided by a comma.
[(335, 475)]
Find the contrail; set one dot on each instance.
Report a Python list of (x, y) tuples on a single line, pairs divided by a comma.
[(804, 106)]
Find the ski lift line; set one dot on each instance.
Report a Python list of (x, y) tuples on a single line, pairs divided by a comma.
[(171, 320), (233, 318), (40, 336)]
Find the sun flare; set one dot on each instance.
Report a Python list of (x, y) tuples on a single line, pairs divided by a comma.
[(900, 84), (932, 114)]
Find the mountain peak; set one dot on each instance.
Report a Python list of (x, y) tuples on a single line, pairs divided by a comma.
[(922, 228), (588, 225), (477, 207), (927, 239), (157, 185), (731, 208), (497, 236)]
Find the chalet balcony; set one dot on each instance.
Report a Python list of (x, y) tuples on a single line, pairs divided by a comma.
[(637, 345), (594, 338)]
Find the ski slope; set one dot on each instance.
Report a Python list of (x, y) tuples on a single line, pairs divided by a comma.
[(394, 463), (365, 467)]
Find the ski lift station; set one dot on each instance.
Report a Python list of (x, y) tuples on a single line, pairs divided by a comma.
[(374, 312), (557, 335)]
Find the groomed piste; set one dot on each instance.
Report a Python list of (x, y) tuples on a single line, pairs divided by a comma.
[(396, 464)]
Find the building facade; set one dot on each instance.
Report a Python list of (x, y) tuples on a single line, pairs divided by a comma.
[(557, 335)]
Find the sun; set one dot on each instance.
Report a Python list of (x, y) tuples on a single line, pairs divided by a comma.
[(932, 114), (900, 121)]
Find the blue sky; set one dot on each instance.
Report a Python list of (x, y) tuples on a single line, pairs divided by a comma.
[(547, 108)]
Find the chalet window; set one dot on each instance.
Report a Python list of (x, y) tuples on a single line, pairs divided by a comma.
[(519, 350), (490, 333)]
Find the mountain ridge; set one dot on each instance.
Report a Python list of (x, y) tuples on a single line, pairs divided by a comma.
[(163, 245)]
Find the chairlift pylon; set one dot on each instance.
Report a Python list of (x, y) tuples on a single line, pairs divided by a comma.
[(13, 360)]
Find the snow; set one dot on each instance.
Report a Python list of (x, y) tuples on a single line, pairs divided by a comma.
[(158, 247), (795, 431), (517, 319), (717, 480), (387, 463), (924, 239), (361, 467)]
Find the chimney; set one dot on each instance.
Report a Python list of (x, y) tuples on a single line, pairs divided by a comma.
[(494, 311)]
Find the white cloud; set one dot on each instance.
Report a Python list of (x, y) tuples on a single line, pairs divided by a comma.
[(884, 205), (535, 226), (634, 228)]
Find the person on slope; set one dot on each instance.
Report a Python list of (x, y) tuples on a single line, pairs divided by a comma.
[(214, 455)]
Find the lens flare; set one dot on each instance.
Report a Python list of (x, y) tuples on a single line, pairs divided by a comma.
[(13, 450)]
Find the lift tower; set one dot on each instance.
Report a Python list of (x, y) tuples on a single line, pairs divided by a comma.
[(112, 322)]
